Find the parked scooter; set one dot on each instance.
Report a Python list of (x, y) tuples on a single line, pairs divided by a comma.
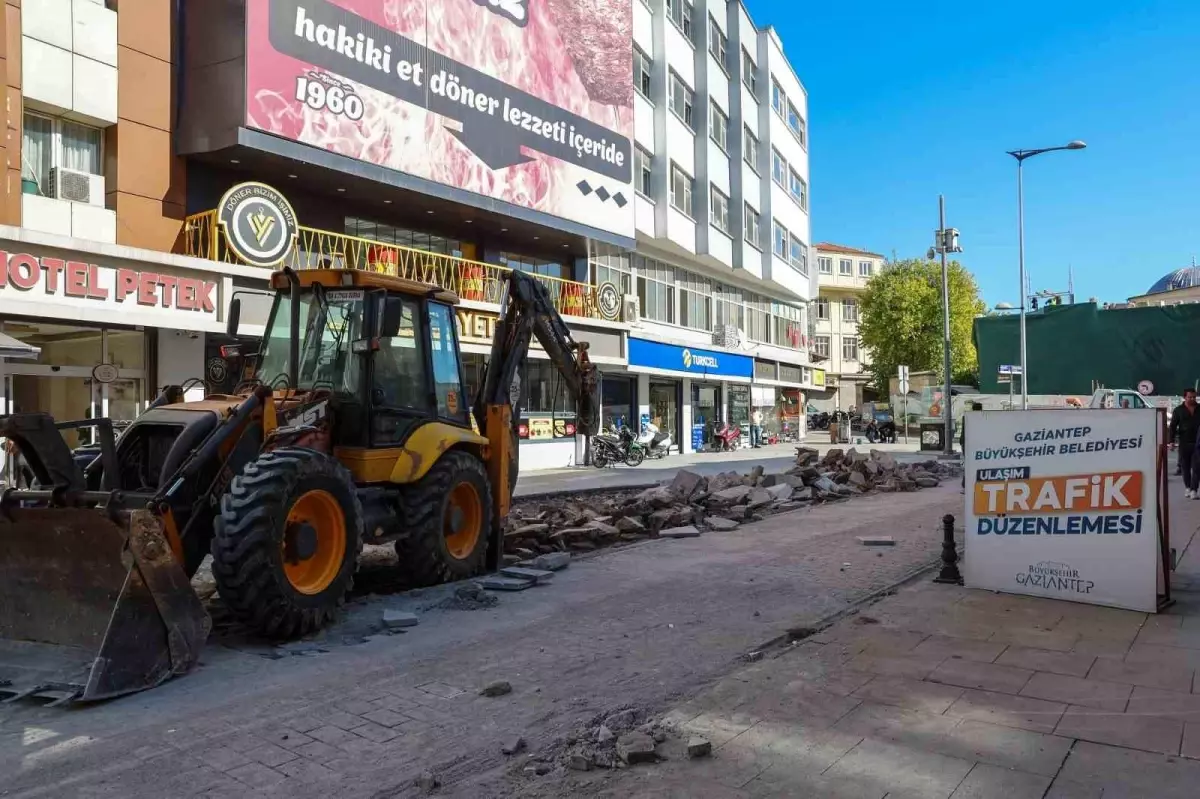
[(727, 438), (655, 442), (613, 447)]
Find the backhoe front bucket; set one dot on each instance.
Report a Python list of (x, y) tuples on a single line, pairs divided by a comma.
[(92, 605)]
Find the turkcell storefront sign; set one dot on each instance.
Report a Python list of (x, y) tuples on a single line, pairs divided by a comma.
[(526, 102), (673, 358), (1062, 504)]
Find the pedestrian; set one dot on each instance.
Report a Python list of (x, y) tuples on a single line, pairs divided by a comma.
[(756, 420), (1185, 422)]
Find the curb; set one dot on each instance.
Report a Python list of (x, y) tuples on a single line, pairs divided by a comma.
[(565, 492), (786, 638)]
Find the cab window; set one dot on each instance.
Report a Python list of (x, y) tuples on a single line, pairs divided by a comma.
[(447, 377), (399, 386)]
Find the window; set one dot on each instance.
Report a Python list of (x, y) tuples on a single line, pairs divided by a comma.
[(642, 68), (727, 307), (849, 348), (780, 246), (718, 43), (758, 318), (610, 264), (750, 149), (797, 125), (821, 346), (718, 125), (401, 355), (447, 381), (845, 267), (720, 209), (643, 164), (534, 266), (849, 310), (822, 308), (798, 254), (789, 326), (779, 167), (681, 190), (680, 13), (752, 233), (695, 301), (864, 268), (798, 188), (778, 98), (401, 237), (825, 265), (543, 391), (656, 290), (749, 73), (48, 143), (682, 99)]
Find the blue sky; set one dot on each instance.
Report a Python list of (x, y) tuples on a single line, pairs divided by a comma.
[(909, 99)]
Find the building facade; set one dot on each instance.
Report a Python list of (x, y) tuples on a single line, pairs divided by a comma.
[(842, 277), (721, 274), (397, 147)]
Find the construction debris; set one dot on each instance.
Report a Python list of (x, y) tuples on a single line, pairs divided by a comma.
[(498, 688), (513, 746), (539, 530), (398, 619), (636, 747), (699, 747), (877, 541)]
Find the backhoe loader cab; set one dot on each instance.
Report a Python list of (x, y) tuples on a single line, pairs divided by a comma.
[(353, 428)]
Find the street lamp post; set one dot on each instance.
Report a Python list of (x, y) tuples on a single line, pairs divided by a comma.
[(1021, 155)]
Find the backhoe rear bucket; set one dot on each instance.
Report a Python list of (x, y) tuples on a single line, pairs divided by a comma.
[(92, 605)]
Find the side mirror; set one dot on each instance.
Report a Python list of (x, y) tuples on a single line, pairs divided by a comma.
[(234, 316)]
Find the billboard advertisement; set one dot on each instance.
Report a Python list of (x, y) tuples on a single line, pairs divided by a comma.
[(525, 101)]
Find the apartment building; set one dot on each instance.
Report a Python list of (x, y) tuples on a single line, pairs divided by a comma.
[(722, 270), (842, 276), (137, 129)]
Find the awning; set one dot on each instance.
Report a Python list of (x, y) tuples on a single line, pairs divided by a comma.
[(15, 348)]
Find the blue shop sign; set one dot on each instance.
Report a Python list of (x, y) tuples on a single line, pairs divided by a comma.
[(692, 360)]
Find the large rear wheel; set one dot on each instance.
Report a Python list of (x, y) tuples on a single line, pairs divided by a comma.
[(287, 541), (450, 514)]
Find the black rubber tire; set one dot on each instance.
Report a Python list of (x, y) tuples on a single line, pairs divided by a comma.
[(635, 457), (248, 537), (424, 558), (599, 458)]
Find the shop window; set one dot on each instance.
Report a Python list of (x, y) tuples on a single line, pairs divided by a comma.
[(739, 404), (544, 390), (664, 409), (535, 266), (616, 400), (704, 413), (447, 381), (48, 143)]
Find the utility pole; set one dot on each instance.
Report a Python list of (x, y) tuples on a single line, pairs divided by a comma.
[(945, 240)]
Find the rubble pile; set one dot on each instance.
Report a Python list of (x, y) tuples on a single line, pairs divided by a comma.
[(692, 504)]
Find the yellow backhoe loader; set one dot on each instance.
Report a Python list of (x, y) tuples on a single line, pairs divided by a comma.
[(353, 429)]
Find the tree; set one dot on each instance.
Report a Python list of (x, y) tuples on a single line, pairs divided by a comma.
[(901, 321)]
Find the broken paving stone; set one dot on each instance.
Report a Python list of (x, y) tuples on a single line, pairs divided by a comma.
[(689, 531), (603, 528), (721, 523), (688, 484), (730, 496), (530, 531), (427, 781), (858, 480), (630, 524), (398, 619), (500, 583), (582, 546), (574, 533), (510, 560), (753, 657), (513, 746), (699, 747), (497, 688), (539, 576), (780, 491), (580, 762), (553, 561), (659, 736), (876, 540), (604, 735), (636, 747), (758, 498), (659, 497), (927, 481)]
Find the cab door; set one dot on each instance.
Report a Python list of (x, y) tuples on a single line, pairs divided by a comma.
[(446, 366)]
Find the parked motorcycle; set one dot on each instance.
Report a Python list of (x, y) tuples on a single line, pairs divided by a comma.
[(613, 447), (655, 442), (819, 421)]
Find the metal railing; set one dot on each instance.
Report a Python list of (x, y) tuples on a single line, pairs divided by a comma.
[(470, 280)]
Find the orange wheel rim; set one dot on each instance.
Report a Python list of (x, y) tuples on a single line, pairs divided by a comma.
[(463, 521), (314, 545)]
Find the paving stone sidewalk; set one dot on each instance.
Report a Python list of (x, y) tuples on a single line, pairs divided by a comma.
[(941, 691)]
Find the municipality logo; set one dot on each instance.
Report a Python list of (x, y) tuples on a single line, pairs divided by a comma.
[(259, 224)]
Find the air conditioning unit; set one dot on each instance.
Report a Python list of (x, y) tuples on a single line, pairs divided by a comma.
[(630, 312), (76, 186)]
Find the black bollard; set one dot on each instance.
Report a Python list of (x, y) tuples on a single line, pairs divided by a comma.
[(949, 573)]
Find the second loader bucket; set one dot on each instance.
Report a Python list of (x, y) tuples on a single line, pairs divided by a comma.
[(92, 605)]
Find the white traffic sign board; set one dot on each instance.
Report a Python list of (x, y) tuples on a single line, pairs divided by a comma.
[(1062, 503)]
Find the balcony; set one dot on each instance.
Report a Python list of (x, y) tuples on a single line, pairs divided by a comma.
[(471, 280)]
